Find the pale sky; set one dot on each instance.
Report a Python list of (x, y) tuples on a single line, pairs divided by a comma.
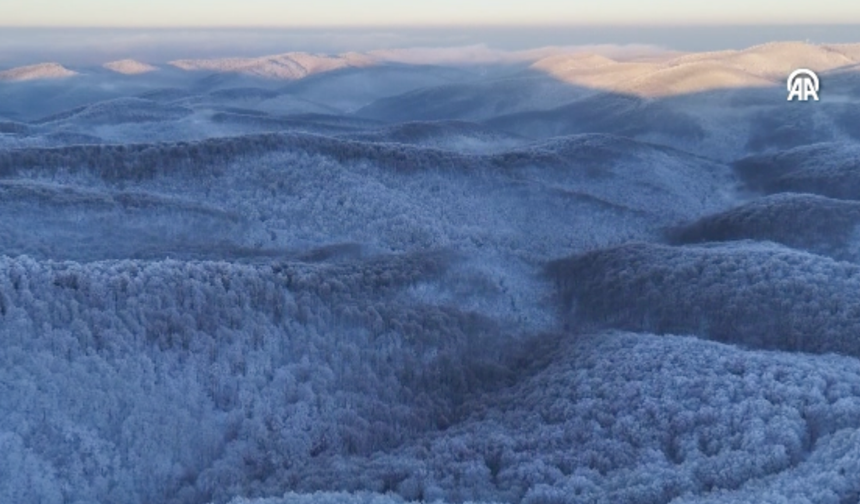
[(199, 13)]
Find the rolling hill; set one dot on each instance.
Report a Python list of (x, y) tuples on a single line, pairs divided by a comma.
[(752, 294), (130, 67), (758, 66), (458, 136), (432, 275), (119, 111), (827, 168), (803, 221), (287, 66), (36, 72), (473, 101)]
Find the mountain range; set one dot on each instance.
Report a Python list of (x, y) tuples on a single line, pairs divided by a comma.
[(450, 275)]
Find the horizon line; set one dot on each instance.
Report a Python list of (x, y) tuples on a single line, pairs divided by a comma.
[(733, 24)]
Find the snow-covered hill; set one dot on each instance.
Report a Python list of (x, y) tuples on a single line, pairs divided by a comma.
[(130, 67), (282, 66), (119, 111), (757, 66), (36, 72), (828, 168), (804, 221), (432, 275)]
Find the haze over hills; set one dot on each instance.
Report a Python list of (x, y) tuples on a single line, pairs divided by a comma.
[(641, 71), (613, 275), (482, 54)]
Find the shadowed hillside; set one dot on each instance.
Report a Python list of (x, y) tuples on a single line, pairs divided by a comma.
[(757, 295), (828, 169), (814, 223)]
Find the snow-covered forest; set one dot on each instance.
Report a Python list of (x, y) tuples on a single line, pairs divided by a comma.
[(360, 281)]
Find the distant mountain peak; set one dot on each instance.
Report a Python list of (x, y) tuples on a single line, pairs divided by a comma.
[(34, 72), (129, 67), (288, 66), (670, 74)]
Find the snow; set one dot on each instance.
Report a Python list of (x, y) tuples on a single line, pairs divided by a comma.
[(754, 294), (287, 66), (807, 222), (379, 283), (241, 379), (129, 67), (36, 72), (825, 168), (759, 66)]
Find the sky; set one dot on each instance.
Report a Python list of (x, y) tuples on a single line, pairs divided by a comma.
[(315, 13)]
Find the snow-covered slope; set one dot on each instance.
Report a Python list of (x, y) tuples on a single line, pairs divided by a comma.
[(652, 419), (130, 67), (458, 136), (318, 188), (301, 278), (36, 72), (804, 221), (757, 66), (282, 66), (828, 168), (475, 100), (119, 111), (754, 294)]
